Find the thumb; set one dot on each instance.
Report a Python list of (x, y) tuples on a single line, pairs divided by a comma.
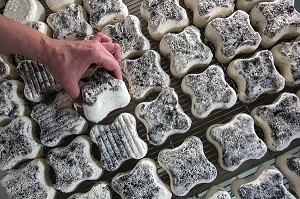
[(72, 88)]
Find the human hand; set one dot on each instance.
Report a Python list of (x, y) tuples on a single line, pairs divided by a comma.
[(68, 60)]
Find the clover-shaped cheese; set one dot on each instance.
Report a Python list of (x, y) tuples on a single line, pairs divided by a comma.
[(275, 20), (141, 182), (145, 75), (12, 102), (185, 51), (102, 94), (74, 164), (289, 165), (39, 83), (267, 183), (217, 192), (286, 56), (128, 34), (29, 181), (204, 11), (58, 120), (232, 36), (247, 5), (18, 143), (187, 166), (58, 5), (163, 117), (105, 12), (100, 190), (70, 23), (209, 91), (279, 121), (255, 76), (118, 142), (163, 17), (236, 142)]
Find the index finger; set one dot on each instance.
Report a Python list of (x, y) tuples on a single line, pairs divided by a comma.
[(101, 37)]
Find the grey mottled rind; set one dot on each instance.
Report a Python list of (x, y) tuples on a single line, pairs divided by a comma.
[(289, 165), (145, 75), (29, 181), (118, 142), (266, 183), (99, 191), (18, 143), (187, 166), (209, 91), (7, 69), (102, 94), (58, 120), (286, 56), (236, 142), (217, 192), (39, 83), (12, 102), (41, 27), (129, 36), (206, 10), (185, 51), (232, 36), (255, 76), (141, 182), (275, 20), (163, 117), (279, 121), (70, 23), (247, 5), (73, 164), (103, 12), (163, 17)]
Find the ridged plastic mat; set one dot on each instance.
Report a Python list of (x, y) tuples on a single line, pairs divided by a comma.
[(199, 126)]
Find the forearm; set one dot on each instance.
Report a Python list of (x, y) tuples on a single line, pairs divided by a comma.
[(16, 38)]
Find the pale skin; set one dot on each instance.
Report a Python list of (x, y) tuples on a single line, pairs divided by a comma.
[(66, 60)]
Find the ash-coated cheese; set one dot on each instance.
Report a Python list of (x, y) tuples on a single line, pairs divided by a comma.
[(31, 180), (74, 164), (105, 12), (289, 165), (247, 5), (279, 121), (100, 190), (41, 27), (145, 75), (275, 20), (286, 56), (141, 182), (118, 142), (232, 36), (217, 192), (236, 141), (204, 11), (266, 182), (255, 76), (18, 143), (58, 120), (209, 91), (70, 23), (7, 69), (163, 17), (163, 117), (12, 101), (129, 36), (39, 83), (24, 11), (102, 94), (185, 50), (187, 166), (58, 5)]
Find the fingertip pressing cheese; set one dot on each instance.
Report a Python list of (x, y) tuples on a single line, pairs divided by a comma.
[(58, 5), (25, 11)]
